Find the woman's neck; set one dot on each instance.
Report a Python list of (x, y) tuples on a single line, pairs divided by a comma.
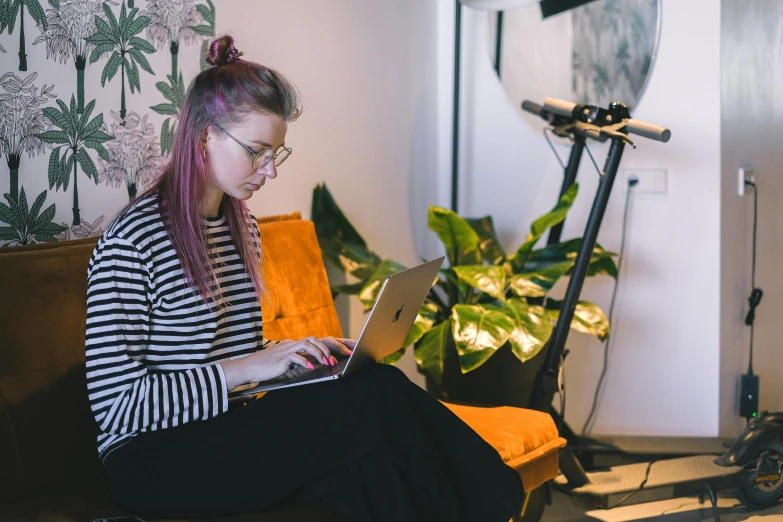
[(211, 205)]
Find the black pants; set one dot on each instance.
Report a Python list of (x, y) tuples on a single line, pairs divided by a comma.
[(372, 447)]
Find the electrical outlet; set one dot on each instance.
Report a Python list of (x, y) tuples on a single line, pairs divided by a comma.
[(744, 175), (651, 181)]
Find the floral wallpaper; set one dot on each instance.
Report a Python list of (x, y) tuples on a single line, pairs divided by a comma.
[(90, 94), (614, 43)]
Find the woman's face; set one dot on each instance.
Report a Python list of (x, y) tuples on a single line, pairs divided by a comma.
[(230, 166)]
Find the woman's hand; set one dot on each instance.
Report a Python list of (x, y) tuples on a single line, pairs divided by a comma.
[(277, 359)]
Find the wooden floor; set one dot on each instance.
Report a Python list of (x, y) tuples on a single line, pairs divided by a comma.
[(676, 510)]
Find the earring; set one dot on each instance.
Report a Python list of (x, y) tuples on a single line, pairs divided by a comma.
[(205, 154)]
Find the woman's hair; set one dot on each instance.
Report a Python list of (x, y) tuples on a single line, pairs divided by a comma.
[(220, 95)]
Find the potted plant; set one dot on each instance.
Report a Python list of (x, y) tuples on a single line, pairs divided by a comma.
[(487, 313)]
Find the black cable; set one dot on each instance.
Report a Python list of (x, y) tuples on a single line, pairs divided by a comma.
[(607, 344), (641, 486), (756, 293)]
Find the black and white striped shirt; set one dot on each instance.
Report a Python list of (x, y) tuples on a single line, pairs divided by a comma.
[(153, 345)]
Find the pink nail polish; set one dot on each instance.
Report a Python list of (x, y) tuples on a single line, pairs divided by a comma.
[(334, 361), (310, 365), (324, 360)]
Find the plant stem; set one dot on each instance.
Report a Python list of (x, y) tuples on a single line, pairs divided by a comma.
[(13, 165), (174, 47), (81, 63), (122, 102), (76, 217), (22, 53)]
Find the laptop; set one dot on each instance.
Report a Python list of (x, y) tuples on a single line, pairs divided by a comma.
[(390, 320)]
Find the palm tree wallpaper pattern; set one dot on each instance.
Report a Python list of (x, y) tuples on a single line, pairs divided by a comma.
[(63, 110), (613, 50)]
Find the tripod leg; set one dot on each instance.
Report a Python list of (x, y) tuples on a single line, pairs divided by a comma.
[(713, 501), (572, 469)]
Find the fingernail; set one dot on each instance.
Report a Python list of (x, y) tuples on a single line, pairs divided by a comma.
[(334, 361), (310, 365), (324, 360)]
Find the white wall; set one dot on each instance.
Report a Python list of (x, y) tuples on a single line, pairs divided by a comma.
[(664, 373), (365, 69)]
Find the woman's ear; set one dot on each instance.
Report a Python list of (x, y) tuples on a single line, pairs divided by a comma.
[(204, 136)]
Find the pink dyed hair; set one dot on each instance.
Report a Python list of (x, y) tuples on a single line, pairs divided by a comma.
[(218, 95)]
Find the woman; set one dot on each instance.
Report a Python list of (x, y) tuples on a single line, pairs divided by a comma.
[(174, 323)]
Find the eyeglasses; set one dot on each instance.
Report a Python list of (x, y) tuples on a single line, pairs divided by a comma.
[(261, 158)]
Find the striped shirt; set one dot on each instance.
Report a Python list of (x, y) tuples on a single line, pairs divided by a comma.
[(153, 345)]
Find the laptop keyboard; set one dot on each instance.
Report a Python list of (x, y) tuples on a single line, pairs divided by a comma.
[(320, 371)]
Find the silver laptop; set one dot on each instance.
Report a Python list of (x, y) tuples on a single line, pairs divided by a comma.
[(390, 320)]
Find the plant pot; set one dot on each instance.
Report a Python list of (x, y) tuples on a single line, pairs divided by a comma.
[(501, 381)]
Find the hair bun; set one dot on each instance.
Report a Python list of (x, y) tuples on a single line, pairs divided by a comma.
[(222, 51)]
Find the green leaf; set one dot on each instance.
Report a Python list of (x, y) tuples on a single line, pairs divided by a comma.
[(22, 208), (36, 208), (102, 152), (165, 108), (37, 13), (524, 286), (103, 31), (350, 258), (479, 330), (45, 238), (541, 225), (85, 117), (137, 26), (54, 137), (489, 244), (353, 289), (539, 282), (111, 18), (164, 131), (430, 352), (111, 67), (132, 72), (87, 164), (369, 292), (67, 170), (340, 242), (180, 86), (459, 238), (141, 45), (393, 358), (204, 30), (59, 173), (50, 228), (46, 216), (425, 320), (207, 13), (558, 252), (9, 215), (588, 318), (166, 90), (123, 15), (532, 328), (487, 278), (329, 218), (57, 118), (97, 137), (91, 127), (602, 264), (12, 12), (100, 50), (8, 234)]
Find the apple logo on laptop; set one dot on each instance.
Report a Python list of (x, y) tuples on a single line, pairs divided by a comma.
[(397, 315)]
